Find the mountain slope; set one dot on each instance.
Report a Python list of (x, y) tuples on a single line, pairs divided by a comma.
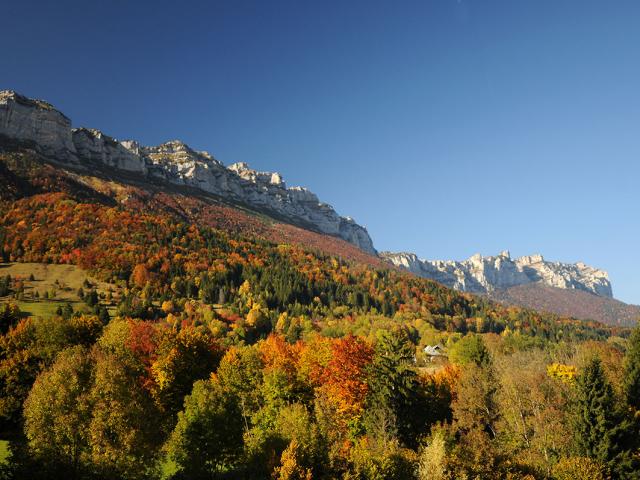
[(39, 125), (576, 290), (155, 256), (24, 173), (44, 165), (575, 303)]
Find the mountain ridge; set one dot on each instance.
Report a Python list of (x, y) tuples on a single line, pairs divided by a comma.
[(530, 281), (50, 132), (480, 274)]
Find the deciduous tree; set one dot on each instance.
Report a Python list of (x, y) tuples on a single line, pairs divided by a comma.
[(208, 435), (57, 414)]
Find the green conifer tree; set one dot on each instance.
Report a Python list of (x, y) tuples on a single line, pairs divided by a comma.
[(632, 371), (394, 386), (594, 414), (602, 430)]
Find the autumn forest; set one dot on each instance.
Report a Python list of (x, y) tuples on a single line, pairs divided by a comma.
[(199, 341)]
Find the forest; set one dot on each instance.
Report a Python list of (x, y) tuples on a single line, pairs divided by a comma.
[(218, 354)]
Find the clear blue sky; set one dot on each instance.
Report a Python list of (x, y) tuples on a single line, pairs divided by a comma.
[(447, 127)]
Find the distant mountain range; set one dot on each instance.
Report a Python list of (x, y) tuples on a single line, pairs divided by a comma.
[(576, 290), (481, 274)]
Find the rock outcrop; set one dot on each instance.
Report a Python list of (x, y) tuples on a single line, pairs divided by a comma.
[(93, 145), (49, 131), (24, 119), (481, 274)]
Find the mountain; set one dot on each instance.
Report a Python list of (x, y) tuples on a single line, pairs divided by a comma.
[(157, 297), (481, 274), (38, 124), (41, 154), (531, 281), (574, 303)]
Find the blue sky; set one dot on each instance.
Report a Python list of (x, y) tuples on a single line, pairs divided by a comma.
[(447, 127)]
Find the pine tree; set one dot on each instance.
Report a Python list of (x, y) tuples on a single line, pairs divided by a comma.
[(632, 371), (394, 386), (103, 315), (602, 431), (67, 311), (92, 298), (5, 285), (595, 409)]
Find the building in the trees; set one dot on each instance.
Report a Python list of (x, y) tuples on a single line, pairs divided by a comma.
[(434, 351)]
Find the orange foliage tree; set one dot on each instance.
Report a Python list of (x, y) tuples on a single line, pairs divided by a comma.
[(345, 383)]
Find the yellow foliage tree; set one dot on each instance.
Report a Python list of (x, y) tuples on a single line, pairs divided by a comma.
[(565, 373), (245, 288), (168, 306), (578, 468), (282, 325), (290, 468)]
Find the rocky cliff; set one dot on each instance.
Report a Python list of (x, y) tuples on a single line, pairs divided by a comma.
[(40, 125), (481, 274)]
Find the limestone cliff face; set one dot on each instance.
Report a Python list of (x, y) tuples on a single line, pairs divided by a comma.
[(481, 274), (40, 124), (93, 145), (24, 119)]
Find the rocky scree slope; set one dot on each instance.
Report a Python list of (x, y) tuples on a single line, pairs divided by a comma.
[(41, 126)]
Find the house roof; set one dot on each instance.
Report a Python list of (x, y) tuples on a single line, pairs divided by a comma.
[(434, 350)]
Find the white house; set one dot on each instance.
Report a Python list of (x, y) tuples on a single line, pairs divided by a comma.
[(434, 351)]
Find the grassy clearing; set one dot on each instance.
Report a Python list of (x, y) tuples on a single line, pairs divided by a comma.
[(44, 308), (52, 286), (64, 280)]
